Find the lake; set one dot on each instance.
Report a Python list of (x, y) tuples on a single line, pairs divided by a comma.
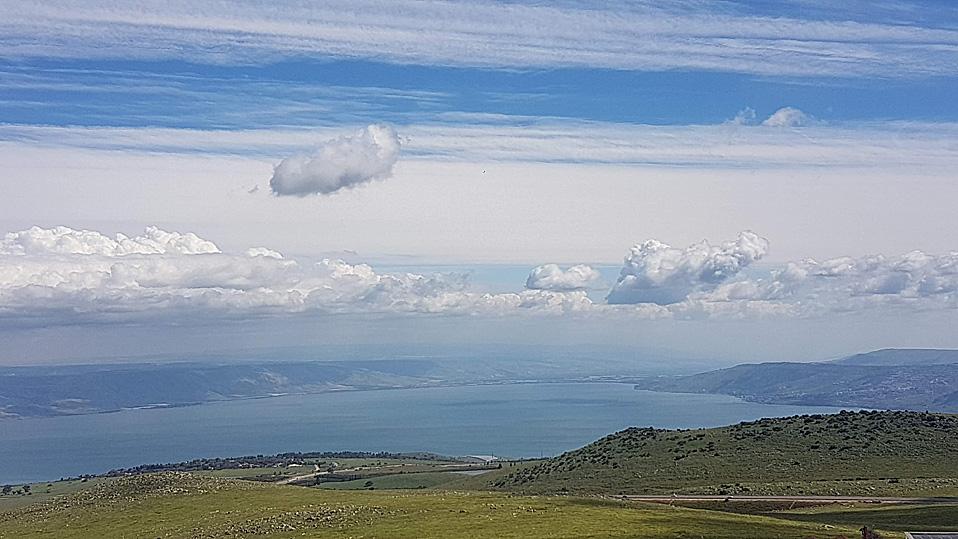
[(517, 420)]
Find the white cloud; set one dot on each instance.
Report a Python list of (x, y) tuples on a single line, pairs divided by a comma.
[(81, 277), (552, 277), (342, 163), (745, 116), (643, 35), (656, 272), (705, 281), (263, 251), (847, 283), (64, 276), (66, 241), (787, 117)]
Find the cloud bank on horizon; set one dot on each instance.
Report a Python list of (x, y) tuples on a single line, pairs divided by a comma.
[(341, 163), (62, 276)]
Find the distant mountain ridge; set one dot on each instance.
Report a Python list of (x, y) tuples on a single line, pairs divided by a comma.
[(885, 379), (902, 356), (48, 390)]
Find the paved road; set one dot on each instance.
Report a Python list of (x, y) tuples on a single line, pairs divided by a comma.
[(814, 499)]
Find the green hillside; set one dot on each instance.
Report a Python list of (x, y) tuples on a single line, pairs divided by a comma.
[(857, 454), (181, 505)]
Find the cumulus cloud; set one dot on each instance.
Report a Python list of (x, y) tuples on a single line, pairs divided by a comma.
[(65, 276), (706, 281), (745, 116), (788, 117), (340, 163), (552, 277), (655, 272), (848, 283), (62, 276), (263, 251), (62, 240)]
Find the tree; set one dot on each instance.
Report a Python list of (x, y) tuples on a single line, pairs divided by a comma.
[(7, 489)]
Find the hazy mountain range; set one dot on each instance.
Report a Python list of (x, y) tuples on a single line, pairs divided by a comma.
[(31, 391), (885, 379), (918, 379)]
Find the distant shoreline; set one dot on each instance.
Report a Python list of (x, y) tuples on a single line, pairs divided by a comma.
[(625, 380)]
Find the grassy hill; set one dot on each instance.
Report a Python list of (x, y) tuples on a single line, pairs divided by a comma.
[(181, 505), (858, 454)]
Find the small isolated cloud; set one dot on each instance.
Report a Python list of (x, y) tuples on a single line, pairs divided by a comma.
[(341, 163), (552, 277), (745, 116), (655, 272), (787, 117), (263, 251)]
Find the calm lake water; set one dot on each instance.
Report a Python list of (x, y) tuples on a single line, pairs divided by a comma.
[(519, 420)]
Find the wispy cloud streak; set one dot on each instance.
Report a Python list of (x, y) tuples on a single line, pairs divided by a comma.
[(636, 36), (504, 139)]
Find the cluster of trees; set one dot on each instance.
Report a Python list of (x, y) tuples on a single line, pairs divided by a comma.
[(7, 490), (263, 461)]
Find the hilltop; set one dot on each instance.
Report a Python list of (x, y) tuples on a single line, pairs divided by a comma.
[(851, 453)]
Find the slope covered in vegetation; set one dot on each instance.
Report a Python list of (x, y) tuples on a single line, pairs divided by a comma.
[(180, 505), (851, 453)]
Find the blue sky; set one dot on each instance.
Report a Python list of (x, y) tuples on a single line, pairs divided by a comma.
[(184, 95), (810, 144)]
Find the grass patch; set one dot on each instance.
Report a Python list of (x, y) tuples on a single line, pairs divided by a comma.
[(174, 505), (913, 518), (397, 481)]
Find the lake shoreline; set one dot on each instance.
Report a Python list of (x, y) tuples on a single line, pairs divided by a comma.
[(520, 420)]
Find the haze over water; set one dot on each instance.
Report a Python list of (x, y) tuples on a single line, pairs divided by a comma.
[(517, 420)]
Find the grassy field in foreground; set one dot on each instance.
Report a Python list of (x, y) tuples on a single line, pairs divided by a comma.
[(902, 518), (398, 481), (41, 492), (173, 505)]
